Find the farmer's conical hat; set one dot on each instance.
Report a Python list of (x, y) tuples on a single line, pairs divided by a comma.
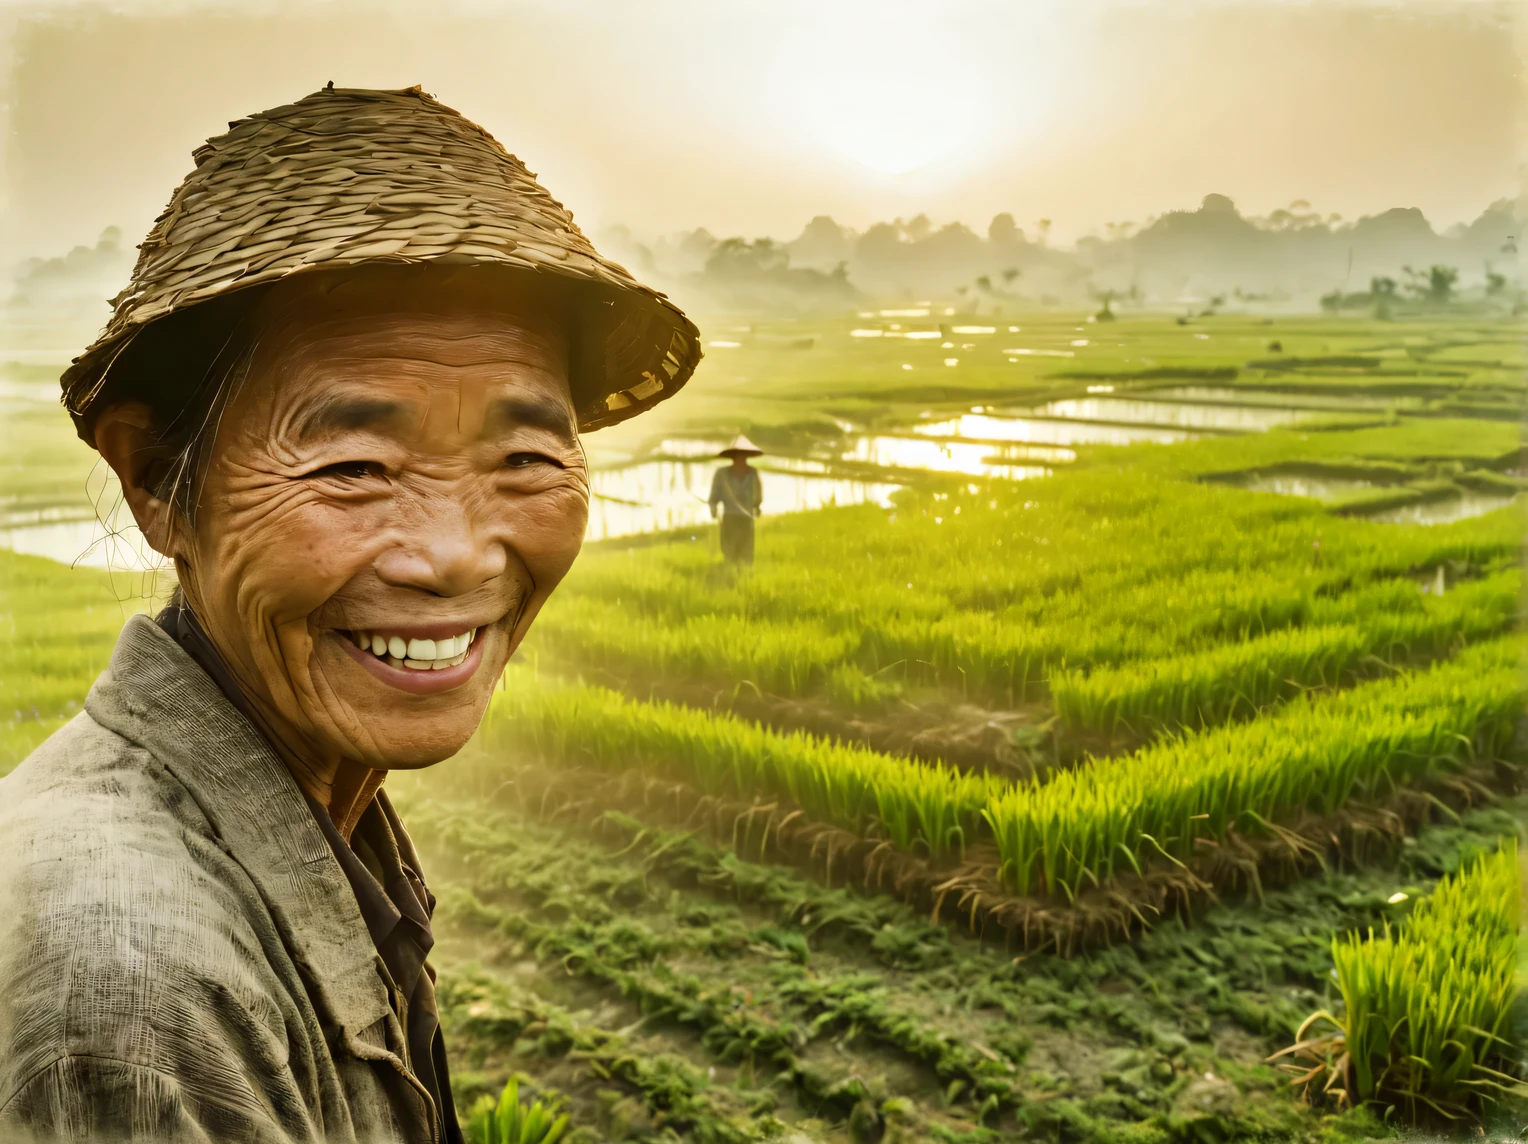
[(351, 176), (741, 446)]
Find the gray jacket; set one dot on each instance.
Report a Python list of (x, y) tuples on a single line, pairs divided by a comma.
[(181, 956)]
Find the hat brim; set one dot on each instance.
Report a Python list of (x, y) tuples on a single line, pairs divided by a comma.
[(629, 350)]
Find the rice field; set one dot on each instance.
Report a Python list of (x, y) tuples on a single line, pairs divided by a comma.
[(1039, 786)]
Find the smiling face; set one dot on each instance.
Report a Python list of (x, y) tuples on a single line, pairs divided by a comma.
[(392, 494)]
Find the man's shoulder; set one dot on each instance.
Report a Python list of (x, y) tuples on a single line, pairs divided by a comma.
[(118, 907), (88, 784)]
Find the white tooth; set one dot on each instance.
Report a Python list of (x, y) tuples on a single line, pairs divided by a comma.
[(378, 645), (458, 659), (421, 649), (459, 644), (472, 636), (419, 664), (394, 661), (397, 648), (440, 664)]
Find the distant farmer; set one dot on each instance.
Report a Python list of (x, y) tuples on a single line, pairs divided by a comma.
[(737, 493), (343, 393)]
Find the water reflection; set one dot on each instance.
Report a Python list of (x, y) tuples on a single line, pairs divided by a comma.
[(43, 391), (1444, 511), (969, 457), (1189, 416), (985, 427), (658, 495), (1286, 400), (61, 535), (688, 447), (1317, 488)]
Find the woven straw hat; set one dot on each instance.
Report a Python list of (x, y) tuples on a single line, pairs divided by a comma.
[(741, 447), (351, 177)]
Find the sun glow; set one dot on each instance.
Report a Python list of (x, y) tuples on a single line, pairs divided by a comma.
[(896, 87), (888, 92)]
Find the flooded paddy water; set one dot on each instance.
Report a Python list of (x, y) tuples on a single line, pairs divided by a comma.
[(70, 537), (1293, 401), (1179, 414), (1046, 431), (1317, 488), (656, 496), (1445, 511)]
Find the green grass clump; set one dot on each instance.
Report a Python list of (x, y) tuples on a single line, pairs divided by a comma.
[(1391, 622), (920, 807), (57, 628), (1115, 814), (1424, 1024), (508, 1121)]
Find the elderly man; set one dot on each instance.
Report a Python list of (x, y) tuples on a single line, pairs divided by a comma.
[(343, 394)]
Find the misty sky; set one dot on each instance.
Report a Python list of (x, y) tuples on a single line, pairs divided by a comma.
[(751, 117)]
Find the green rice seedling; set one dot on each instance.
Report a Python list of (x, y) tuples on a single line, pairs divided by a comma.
[(919, 807), (1086, 825), (1424, 1020), (509, 1121), (1391, 621)]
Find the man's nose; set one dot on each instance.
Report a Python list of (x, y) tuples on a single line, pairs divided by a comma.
[(446, 554)]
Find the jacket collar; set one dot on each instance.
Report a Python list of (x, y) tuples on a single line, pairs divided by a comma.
[(156, 696)]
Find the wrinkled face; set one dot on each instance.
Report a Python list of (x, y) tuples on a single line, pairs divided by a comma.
[(392, 494)]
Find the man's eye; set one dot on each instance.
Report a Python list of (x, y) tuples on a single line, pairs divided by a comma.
[(350, 470), (524, 460)]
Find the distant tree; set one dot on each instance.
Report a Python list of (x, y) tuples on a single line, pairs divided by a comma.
[(984, 284), (1496, 284), (1044, 227), (1435, 284), (1010, 274), (1003, 231), (919, 227), (737, 257), (1440, 283), (1382, 287), (1332, 302)]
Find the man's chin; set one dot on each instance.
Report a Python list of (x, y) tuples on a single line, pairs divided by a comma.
[(410, 750)]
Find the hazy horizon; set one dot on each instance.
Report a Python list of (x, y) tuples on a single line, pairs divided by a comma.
[(747, 119)]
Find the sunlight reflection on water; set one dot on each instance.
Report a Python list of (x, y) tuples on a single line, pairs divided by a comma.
[(972, 458), (985, 427), (1317, 488), (1184, 415), (1248, 396), (1444, 511), (61, 535), (658, 495)]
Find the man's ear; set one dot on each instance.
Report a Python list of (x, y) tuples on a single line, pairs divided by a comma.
[(124, 436)]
